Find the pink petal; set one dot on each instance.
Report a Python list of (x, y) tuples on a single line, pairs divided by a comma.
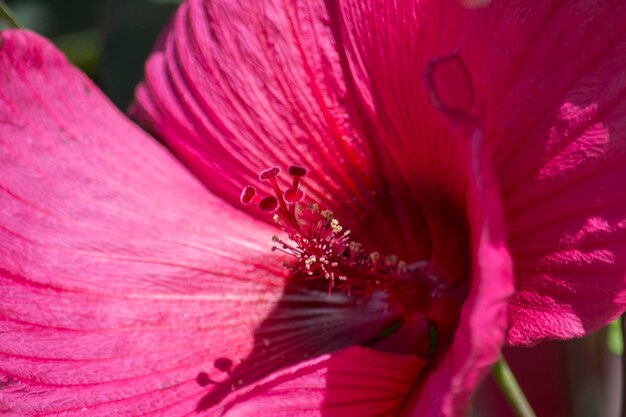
[(483, 322), (121, 277), (551, 97), (353, 382), (413, 142), (556, 127), (289, 112), (231, 88), (451, 86), (237, 87)]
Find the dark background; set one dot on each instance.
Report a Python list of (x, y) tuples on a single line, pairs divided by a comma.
[(108, 39)]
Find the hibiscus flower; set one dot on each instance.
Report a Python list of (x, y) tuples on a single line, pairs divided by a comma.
[(130, 286)]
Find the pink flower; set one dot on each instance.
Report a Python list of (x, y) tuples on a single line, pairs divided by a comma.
[(128, 288)]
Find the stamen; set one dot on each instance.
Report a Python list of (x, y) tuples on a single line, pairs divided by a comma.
[(269, 173), (297, 171), (247, 195), (268, 204), (322, 249), (294, 195)]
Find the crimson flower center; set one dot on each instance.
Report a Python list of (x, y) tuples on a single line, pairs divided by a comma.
[(322, 249)]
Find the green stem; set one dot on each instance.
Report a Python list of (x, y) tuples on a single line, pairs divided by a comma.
[(511, 389), (7, 14), (624, 365)]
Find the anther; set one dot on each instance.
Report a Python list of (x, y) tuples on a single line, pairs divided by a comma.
[(327, 214), (297, 171), (269, 173), (294, 195), (247, 195), (268, 204)]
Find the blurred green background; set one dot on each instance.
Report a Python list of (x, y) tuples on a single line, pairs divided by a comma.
[(108, 39)]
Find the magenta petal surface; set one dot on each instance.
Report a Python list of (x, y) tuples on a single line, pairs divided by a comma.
[(550, 97), (237, 87), (448, 389), (551, 101), (121, 277), (239, 84), (483, 322), (557, 129), (234, 88), (353, 382)]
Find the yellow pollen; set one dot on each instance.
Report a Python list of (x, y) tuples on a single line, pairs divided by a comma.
[(334, 224)]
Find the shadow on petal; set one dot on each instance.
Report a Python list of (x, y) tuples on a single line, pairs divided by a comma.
[(306, 323)]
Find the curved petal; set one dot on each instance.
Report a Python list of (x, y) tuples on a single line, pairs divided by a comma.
[(233, 89), (558, 133), (552, 100), (239, 86), (448, 389), (124, 285)]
